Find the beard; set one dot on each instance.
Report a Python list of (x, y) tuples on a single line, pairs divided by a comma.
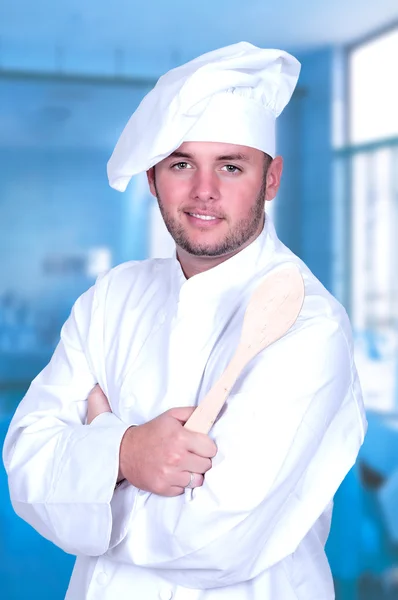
[(237, 236)]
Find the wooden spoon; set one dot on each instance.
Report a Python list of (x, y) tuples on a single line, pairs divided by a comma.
[(272, 310)]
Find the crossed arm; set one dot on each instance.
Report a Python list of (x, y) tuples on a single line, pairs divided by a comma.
[(159, 456), (284, 444)]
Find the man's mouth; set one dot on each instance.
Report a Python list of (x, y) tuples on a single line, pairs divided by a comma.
[(203, 217)]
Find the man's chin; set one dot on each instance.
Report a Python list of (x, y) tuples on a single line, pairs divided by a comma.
[(207, 251)]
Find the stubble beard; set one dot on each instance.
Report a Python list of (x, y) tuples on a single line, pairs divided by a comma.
[(237, 237)]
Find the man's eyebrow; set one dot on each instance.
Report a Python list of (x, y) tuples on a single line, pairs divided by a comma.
[(178, 154), (237, 156), (224, 157)]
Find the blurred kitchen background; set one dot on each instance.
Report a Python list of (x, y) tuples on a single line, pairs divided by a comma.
[(71, 74)]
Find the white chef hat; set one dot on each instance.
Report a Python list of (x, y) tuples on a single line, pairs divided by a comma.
[(231, 95)]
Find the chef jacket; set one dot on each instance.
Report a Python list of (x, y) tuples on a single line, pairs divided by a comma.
[(292, 429)]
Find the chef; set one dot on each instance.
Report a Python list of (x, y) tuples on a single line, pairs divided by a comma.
[(151, 509)]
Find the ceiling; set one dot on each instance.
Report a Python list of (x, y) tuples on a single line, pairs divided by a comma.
[(140, 40), (149, 37)]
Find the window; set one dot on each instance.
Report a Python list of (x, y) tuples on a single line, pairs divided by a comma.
[(373, 89), (372, 167)]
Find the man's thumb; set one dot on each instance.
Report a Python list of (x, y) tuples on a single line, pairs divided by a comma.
[(182, 413)]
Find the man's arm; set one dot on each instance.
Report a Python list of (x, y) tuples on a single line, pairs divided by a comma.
[(285, 443), (62, 473)]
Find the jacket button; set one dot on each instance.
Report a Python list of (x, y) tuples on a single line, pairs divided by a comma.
[(165, 594), (102, 578)]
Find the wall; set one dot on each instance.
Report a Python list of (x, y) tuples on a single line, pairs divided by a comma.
[(304, 204)]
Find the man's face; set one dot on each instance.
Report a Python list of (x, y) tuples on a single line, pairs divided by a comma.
[(211, 195)]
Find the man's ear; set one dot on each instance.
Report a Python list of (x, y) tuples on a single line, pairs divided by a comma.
[(151, 180), (274, 175)]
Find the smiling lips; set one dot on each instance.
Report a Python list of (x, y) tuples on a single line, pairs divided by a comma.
[(203, 217)]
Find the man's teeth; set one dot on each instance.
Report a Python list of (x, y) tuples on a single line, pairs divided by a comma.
[(203, 217)]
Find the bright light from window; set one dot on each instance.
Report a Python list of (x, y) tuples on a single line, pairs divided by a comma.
[(374, 90)]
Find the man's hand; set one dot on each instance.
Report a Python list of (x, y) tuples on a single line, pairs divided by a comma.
[(160, 455), (97, 404)]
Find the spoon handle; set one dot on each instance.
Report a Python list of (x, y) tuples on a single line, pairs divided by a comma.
[(208, 410)]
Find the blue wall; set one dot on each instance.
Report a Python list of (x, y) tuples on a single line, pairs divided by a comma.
[(56, 206), (53, 202), (304, 204)]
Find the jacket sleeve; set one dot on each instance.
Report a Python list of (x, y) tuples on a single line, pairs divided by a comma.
[(290, 434), (61, 472)]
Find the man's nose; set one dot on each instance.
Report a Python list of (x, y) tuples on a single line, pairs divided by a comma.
[(205, 186)]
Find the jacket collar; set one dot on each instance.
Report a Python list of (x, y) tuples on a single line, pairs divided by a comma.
[(228, 278)]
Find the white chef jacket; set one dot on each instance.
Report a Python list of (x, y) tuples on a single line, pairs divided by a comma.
[(291, 431)]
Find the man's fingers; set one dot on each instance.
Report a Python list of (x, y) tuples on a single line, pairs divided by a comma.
[(201, 444), (185, 481), (98, 396), (196, 464), (182, 482), (97, 403), (193, 480), (198, 443)]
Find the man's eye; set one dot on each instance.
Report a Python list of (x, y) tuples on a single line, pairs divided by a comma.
[(231, 169), (180, 166)]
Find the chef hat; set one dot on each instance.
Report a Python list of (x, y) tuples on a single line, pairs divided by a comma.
[(231, 95)]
